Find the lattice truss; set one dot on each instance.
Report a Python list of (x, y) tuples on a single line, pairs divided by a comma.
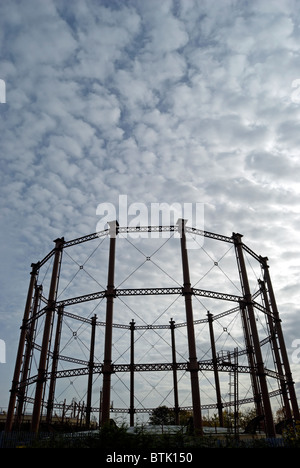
[(148, 312)]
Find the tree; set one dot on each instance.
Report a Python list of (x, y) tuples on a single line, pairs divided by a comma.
[(280, 415), (162, 416)]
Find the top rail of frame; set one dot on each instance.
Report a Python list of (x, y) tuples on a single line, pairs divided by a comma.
[(128, 229), (136, 229)]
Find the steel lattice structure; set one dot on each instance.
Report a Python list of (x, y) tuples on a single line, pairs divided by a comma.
[(37, 362)]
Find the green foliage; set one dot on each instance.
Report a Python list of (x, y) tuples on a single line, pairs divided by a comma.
[(162, 416), (112, 439), (291, 435)]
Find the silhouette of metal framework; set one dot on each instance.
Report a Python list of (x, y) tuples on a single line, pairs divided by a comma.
[(40, 359)]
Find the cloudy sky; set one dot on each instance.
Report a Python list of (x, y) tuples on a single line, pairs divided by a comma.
[(170, 101)]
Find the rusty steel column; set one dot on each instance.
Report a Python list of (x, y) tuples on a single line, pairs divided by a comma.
[(90, 379), (54, 364), (131, 408), (215, 366), (269, 423), (193, 365), (251, 360), (46, 336), (19, 358), (110, 294), (28, 355), (285, 360), (276, 351), (174, 365), (236, 393)]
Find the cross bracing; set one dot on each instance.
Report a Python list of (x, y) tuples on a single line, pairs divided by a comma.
[(48, 313)]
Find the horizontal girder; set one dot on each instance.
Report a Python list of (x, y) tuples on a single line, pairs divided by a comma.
[(225, 404), (145, 292), (222, 366), (149, 292), (137, 229)]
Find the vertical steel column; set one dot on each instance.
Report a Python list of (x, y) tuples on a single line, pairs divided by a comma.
[(251, 361), (276, 351), (270, 428), (110, 294), (63, 413), (174, 365), (46, 336), (54, 365), (193, 365), (215, 365), (131, 409), (19, 358), (285, 360), (28, 355), (100, 407), (236, 393), (90, 379)]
